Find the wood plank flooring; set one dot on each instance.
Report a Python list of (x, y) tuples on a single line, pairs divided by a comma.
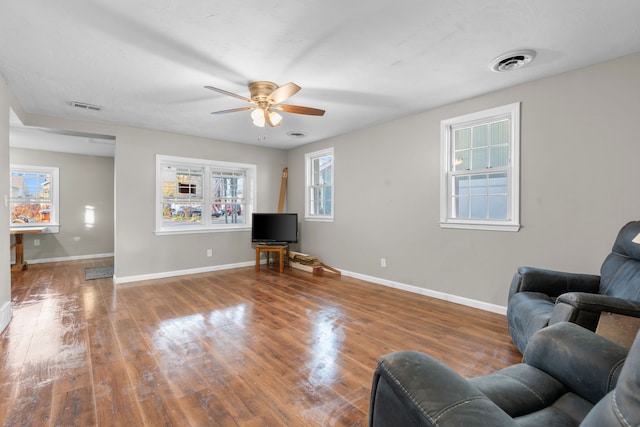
[(227, 348)]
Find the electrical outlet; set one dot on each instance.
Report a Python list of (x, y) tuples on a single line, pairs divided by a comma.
[(383, 262), (209, 252), (36, 242)]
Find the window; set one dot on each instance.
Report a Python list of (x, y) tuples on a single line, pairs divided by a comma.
[(480, 170), (195, 195), (319, 185), (34, 197)]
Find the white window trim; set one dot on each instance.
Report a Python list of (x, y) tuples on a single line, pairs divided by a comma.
[(250, 192), (308, 157), (54, 220), (446, 126)]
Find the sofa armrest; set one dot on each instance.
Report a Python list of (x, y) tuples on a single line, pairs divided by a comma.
[(587, 364), (413, 388), (597, 303), (584, 309), (552, 283)]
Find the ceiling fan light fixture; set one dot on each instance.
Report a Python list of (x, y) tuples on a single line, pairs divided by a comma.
[(258, 117), (267, 97), (275, 118)]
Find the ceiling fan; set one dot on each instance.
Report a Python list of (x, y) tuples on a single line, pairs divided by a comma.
[(267, 98)]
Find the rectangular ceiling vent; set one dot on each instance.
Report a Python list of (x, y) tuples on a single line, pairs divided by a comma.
[(86, 106)]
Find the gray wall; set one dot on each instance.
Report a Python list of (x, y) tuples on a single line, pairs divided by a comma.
[(84, 181), (5, 268), (579, 185), (138, 250)]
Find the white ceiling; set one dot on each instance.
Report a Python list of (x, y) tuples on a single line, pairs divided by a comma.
[(365, 62)]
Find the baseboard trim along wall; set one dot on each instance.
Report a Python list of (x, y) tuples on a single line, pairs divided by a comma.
[(390, 283), (5, 315), (68, 258), (165, 274), (430, 293)]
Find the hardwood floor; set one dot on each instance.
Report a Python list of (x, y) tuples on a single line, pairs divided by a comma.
[(228, 348)]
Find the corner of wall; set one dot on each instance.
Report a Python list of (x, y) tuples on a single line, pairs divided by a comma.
[(5, 315)]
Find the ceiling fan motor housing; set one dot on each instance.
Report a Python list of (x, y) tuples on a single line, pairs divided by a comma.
[(261, 90)]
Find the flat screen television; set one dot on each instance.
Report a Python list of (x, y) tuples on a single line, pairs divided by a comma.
[(274, 228)]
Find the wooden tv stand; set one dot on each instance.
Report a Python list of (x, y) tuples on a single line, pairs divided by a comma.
[(283, 251)]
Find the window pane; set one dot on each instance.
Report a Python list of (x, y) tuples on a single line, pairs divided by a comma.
[(461, 160), (181, 184), (321, 200), (326, 207), (31, 197), (461, 207), (479, 184), (499, 156), (478, 207), (227, 197), (497, 183), (181, 214), (480, 158), (182, 195), (498, 207), (500, 133), (461, 186), (228, 213), (462, 139), (322, 170), (480, 136)]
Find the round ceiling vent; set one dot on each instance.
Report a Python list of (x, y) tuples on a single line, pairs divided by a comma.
[(512, 61)]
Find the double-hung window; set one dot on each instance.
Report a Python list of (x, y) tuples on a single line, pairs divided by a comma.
[(480, 170), (319, 205), (34, 197), (196, 195)]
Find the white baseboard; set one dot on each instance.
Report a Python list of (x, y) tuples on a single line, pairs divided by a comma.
[(430, 293), (409, 288), (68, 258), (5, 315), (165, 274)]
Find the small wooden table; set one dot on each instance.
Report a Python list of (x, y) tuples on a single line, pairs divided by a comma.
[(21, 264), (283, 251)]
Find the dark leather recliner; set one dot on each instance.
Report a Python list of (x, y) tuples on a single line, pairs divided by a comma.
[(538, 298), (569, 377)]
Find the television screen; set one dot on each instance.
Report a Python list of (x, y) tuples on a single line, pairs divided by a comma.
[(274, 228)]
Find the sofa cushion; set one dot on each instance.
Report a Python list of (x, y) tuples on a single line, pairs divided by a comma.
[(520, 389), (527, 313), (620, 271)]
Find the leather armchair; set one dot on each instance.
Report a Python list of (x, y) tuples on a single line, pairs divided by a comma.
[(569, 377), (538, 297)]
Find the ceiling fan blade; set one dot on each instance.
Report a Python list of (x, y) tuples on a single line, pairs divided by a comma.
[(297, 109), (224, 92), (283, 92), (233, 110)]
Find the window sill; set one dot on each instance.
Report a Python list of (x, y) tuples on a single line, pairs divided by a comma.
[(318, 219), (481, 226), (49, 228), (201, 230)]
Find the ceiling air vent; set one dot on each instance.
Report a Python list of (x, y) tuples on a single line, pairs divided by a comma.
[(512, 61), (86, 106), (297, 134)]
